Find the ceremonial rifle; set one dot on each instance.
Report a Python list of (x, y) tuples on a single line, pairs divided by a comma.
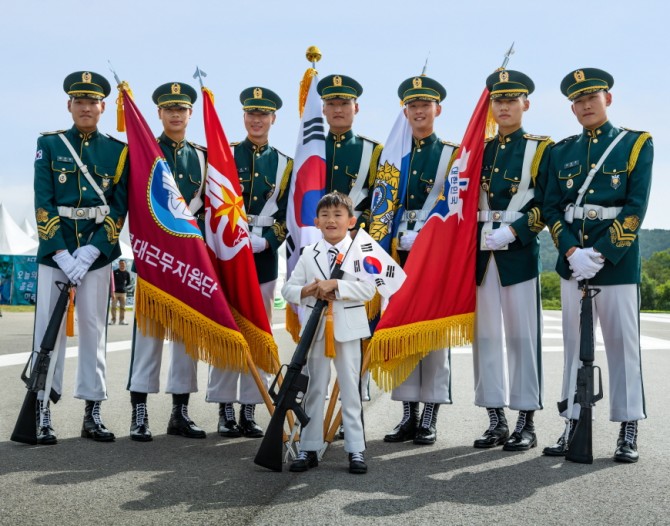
[(293, 387), (580, 445), (25, 430)]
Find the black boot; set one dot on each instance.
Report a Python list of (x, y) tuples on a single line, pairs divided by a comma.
[(560, 448), (248, 425), (524, 436), (497, 433), (45, 433), (406, 429), (93, 427), (180, 423), (427, 432), (227, 424), (626, 444), (304, 461), (139, 421)]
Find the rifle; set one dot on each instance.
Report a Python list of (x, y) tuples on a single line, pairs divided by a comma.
[(292, 389), (25, 430), (580, 445)]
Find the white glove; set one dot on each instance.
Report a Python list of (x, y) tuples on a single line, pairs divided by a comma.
[(499, 238), (585, 263), (85, 257), (407, 240), (68, 264), (258, 243)]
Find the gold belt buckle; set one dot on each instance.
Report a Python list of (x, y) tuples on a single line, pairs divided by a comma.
[(496, 216)]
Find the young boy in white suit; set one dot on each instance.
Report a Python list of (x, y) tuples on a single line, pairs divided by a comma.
[(308, 283)]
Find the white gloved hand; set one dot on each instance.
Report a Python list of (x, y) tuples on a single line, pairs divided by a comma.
[(85, 257), (258, 243), (68, 264), (499, 238), (585, 263), (407, 240)]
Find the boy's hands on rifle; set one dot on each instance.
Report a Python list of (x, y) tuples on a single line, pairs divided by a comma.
[(309, 290), (326, 289)]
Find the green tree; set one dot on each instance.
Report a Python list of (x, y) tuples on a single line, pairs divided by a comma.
[(551, 290)]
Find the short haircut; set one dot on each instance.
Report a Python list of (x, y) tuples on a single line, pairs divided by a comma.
[(334, 200)]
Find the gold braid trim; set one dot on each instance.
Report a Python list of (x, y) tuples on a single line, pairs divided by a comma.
[(286, 177), (161, 315), (535, 165), (374, 163), (556, 230), (395, 352), (262, 345), (112, 231), (618, 237), (49, 230), (635, 152), (292, 323), (121, 164), (535, 220), (373, 307)]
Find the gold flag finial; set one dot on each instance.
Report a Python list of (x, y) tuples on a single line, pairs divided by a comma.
[(313, 54)]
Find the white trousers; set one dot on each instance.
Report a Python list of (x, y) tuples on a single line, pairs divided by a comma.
[(92, 302), (430, 381), (145, 366), (348, 366), (617, 310), (235, 387), (509, 374)]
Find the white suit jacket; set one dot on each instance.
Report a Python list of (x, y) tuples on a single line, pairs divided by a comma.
[(350, 320)]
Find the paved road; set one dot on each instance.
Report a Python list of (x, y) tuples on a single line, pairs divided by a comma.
[(214, 481)]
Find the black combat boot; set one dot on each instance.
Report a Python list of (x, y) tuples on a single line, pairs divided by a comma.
[(560, 448), (427, 431), (180, 423), (93, 426), (46, 435), (248, 425), (497, 433), (524, 436), (304, 461), (406, 429), (626, 444), (139, 421), (227, 424)]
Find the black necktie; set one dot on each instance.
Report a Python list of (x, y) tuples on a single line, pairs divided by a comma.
[(332, 256)]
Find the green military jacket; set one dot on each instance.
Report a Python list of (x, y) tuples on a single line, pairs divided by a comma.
[(501, 174), (59, 182), (257, 170), (343, 162), (623, 180)]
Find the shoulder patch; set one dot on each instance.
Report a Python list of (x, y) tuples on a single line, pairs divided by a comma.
[(234, 143), (633, 131), (449, 143), (368, 139), (53, 132), (115, 139), (489, 139), (536, 137), (198, 147)]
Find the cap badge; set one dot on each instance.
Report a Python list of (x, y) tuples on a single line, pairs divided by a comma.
[(579, 75), (504, 76), (417, 82), (258, 93), (337, 80), (176, 89), (86, 77)]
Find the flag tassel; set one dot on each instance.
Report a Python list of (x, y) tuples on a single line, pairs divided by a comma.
[(329, 333)]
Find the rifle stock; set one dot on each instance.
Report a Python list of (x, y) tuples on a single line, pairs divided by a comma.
[(291, 392), (25, 430)]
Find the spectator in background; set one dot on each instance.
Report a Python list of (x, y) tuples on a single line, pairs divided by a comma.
[(121, 283)]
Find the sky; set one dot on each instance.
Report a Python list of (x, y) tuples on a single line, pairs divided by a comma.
[(379, 43)]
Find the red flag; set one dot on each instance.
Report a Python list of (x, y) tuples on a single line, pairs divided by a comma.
[(227, 234), (177, 286), (435, 306)]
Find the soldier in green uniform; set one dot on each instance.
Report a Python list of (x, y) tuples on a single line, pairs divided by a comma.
[(264, 173), (188, 164), (596, 199), (80, 206), (430, 162), (512, 180)]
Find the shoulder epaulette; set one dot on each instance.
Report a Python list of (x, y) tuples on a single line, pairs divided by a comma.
[(368, 139), (115, 139), (53, 132), (279, 152), (234, 143), (198, 147), (634, 131), (566, 140), (449, 143), (489, 139), (536, 137)]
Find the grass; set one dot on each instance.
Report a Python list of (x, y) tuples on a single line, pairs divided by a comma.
[(17, 308)]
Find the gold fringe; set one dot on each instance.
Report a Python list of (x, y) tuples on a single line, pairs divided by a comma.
[(491, 126), (292, 323), (305, 83), (262, 345), (374, 307), (159, 314), (120, 117), (329, 334), (635, 152), (374, 164), (394, 250), (69, 325), (535, 165), (121, 164), (286, 178), (395, 352), (209, 92)]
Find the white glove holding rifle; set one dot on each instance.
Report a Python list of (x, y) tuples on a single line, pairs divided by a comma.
[(69, 265), (258, 243), (585, 263), (500, 238), (85, 257)]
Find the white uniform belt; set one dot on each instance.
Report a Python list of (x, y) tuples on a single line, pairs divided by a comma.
[(498, 216), (415, 215), (592, 212), (260, 220), (93, 212)]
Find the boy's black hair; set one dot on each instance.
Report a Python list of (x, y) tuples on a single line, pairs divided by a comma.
[(335, 199)]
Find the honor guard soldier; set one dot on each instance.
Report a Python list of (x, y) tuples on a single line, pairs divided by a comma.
[(597, 194), (513, 178), (188, 164), (264, 173), (430, 162), (80, 206)]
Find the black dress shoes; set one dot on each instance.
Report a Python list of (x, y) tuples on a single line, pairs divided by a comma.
[(425, 435), (227, 424), (46, 436), (357, 464), (93, 427), (524, 436), (304, 461), (139, 424), (427, 432), (406, 429), (626, 445), (248, 425), (560, 448), (181, 424), (497, 433)]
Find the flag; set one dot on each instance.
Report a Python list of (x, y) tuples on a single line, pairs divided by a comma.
[(227, 234), (435, 306), (178, 291), (308, 184), (391, 185), (368, 261)]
